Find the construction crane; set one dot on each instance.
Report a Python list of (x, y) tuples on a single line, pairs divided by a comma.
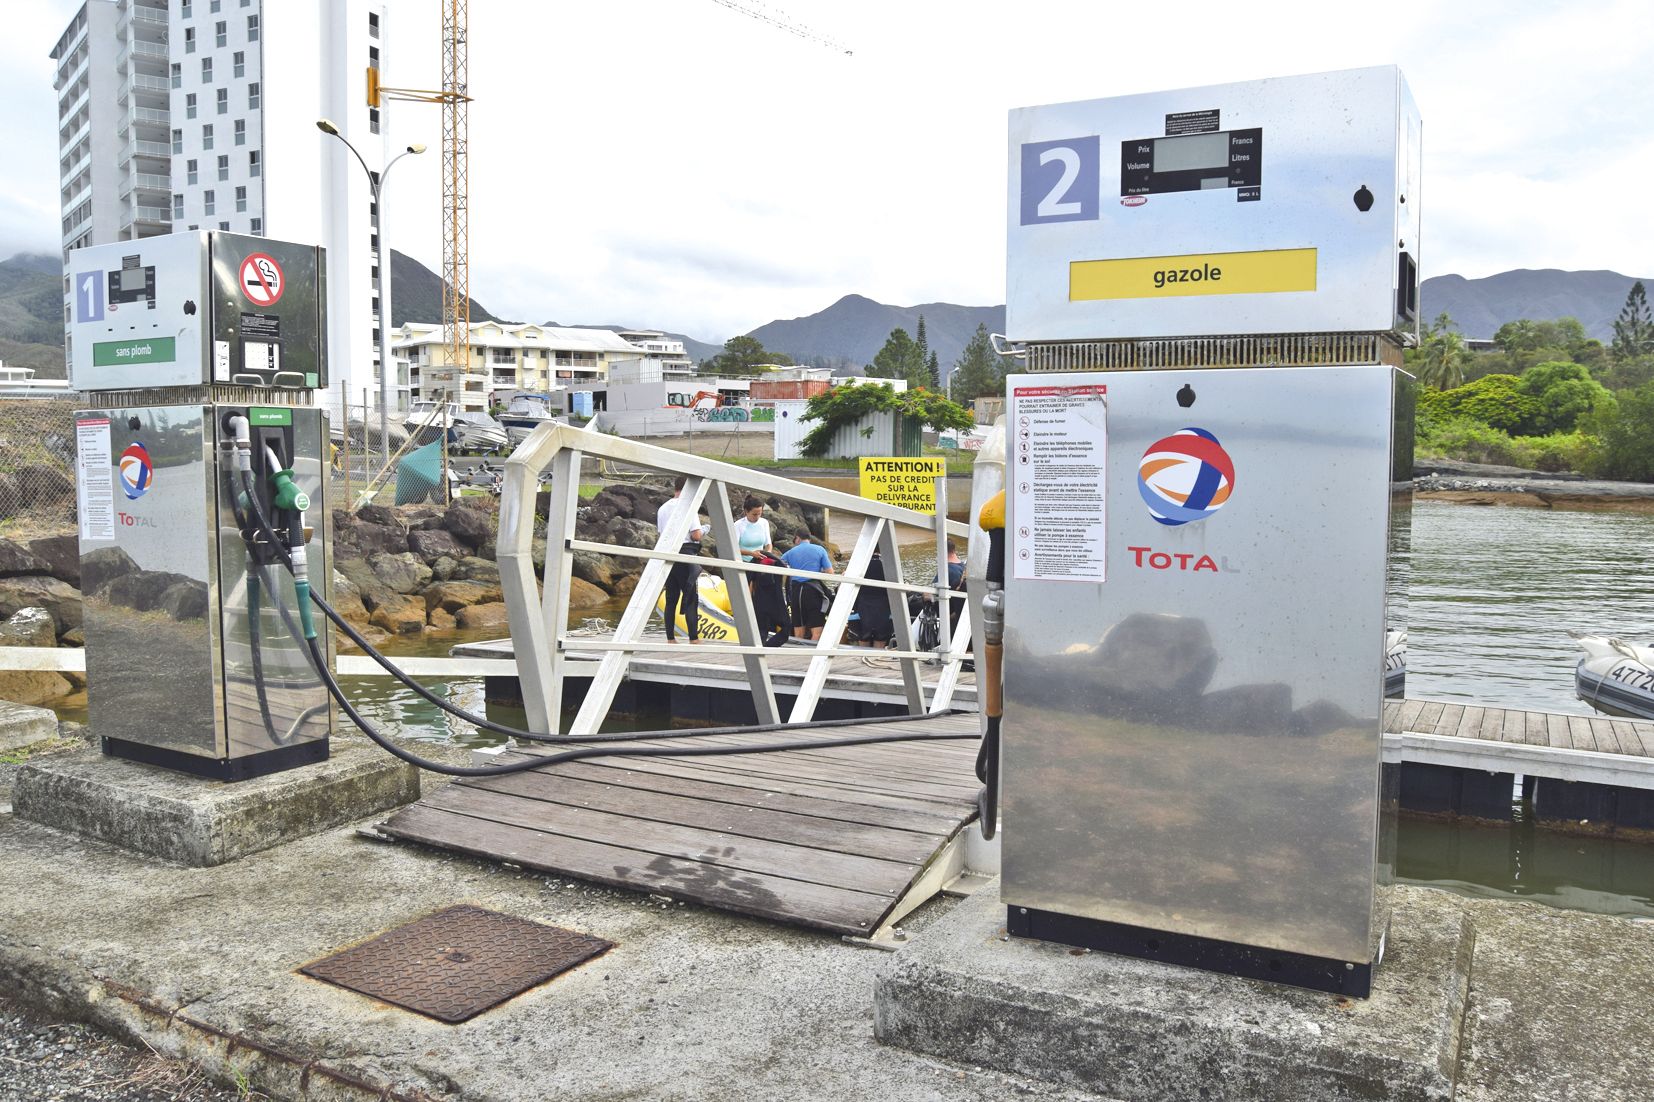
[(762, 12), (455, 99)]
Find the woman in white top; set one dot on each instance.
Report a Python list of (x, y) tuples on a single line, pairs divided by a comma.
[(752, 531)]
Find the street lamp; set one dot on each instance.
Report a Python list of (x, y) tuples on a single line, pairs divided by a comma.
[(381, 284)]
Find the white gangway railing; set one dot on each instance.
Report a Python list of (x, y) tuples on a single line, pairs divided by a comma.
[(538, 615)]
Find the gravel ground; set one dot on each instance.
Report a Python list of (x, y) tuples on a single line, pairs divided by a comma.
[(45, 1061)]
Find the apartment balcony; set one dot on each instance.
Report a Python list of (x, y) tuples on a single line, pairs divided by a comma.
[(77, 228), (141, 216), (82, 96), (139, 50), (138, 147), (143, 82), (152, 16), (72, 173), (145, 181), (154, 118)]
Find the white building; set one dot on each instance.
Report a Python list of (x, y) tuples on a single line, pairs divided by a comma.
[(658, 346), (201, 114), (505, 358)]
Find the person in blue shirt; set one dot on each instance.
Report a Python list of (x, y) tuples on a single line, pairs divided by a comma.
[(808, 596)]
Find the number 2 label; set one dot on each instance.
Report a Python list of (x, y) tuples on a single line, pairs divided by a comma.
[(89, 296), (1060, 180)]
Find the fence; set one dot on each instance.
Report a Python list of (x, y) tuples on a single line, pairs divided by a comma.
[(37, 462)]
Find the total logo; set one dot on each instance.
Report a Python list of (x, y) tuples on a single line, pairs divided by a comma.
[(137, 472), (128, 520), (1185, 477)]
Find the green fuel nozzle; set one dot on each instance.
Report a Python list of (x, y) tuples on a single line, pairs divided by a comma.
[(288, 496)]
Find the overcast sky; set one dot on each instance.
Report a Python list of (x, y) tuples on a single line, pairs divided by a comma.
[(676, 164)]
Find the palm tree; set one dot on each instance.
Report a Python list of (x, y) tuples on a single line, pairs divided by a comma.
[(1442, 356)]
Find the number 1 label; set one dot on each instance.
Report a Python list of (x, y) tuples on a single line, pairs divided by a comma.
[(89, 296), (1060, 180)]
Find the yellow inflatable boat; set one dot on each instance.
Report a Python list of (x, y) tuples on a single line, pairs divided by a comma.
[(715, 621)]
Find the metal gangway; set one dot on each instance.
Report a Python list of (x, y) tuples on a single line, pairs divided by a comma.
[(538, 614)]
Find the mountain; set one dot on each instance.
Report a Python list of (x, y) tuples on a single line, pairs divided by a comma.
[(31, 313), (416, 293), (1480, 306), (850, 332)]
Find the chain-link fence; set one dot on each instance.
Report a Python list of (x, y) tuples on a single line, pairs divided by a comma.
[(37, 464)]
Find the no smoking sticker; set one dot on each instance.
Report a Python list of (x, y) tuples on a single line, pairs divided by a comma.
[(261, 279)]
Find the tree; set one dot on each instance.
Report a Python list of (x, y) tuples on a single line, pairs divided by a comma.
[(1441, 356), (743, 356), (1634, 328), (899, 359), (921, 342), (849, 403), (933, 373), (1495, 400), (1527, 342), (979, 370), (1565, 392)]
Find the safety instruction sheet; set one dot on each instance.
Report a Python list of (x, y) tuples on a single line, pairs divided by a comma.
[(1057, 477), (95, 480)]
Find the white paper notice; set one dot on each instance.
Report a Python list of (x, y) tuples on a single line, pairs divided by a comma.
[(1059, 448), (94, 479)]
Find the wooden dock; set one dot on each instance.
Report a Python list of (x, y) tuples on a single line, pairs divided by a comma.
[(848, 839)]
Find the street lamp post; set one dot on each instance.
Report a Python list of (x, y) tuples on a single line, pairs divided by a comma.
[(381, 283)]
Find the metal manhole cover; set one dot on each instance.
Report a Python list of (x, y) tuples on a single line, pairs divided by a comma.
[(458, 962)]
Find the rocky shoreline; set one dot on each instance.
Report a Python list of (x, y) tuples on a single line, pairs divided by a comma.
[(1480, 484)]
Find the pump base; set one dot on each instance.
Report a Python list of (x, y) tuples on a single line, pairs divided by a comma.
[(220, 769), (1337, 977)]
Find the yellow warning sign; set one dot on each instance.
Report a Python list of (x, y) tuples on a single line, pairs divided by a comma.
[(910, 483), (1266, 272)]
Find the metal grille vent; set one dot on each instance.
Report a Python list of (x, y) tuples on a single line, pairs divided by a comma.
[(1270, 350)]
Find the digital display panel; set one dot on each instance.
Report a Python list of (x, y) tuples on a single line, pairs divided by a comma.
[(129, 279), (1191, 151)]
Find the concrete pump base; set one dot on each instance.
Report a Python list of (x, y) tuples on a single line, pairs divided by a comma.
[(192, 821), (1140, 1031)]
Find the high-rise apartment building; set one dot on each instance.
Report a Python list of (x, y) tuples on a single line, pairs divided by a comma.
[(201, 115)]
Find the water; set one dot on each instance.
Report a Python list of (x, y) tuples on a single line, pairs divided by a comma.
[(1495, 590)]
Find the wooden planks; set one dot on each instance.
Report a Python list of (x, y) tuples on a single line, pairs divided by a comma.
[(1553, 730), (832, 838)]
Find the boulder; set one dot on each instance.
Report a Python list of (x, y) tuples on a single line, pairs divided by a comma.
[(58, 598), (400, 615), (33, 687), (142, 591), (369, 589), (453, 596), (473, 569), (600, 570), (443, 567), (631, 533), (481, 616), (472, 524), (74, 637), (440, 619), (435, 544), (382, 515), (61, 554), (42, 485), (29, 627), (16, 559), (102, 566), (625, 585), (185, 600), (347, 601), (375, 539), (583, 594), (402, 573)]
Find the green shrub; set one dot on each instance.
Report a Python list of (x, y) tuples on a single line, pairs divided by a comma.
[(1463, 438), (1497, 401), (1626, 431), (1560, 451), (1565, 392)]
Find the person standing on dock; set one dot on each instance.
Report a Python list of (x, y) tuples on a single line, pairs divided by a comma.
[(683, 580), (752, 531), (809, 595)]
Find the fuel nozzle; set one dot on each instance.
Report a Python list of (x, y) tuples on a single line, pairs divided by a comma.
[(288, 496), (991, 519)]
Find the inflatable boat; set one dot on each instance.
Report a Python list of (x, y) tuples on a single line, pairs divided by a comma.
[(1395, 665), (1615, 678)]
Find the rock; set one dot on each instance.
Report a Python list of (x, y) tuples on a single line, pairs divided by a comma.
[(434, 545), (625, 585), (11, 498), (440, 619), (31, 687), (102, 566), (481, 616), (472, 569), (29, 627), (375, 539), (453, 596), (15, 559), (185, 600), (473, 524), (583, 594), (142, 591), (631, 533), (369, 589), (402, 573), (59, 598), (600, 570), (400, 616), (347, 601), (486, 549), (42, 485), (74, 637), (443, 568), (381, 515), (61, 554)]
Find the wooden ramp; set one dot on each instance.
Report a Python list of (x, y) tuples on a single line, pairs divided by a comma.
[(848, 839)]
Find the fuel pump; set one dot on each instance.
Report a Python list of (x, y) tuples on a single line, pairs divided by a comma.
[(1208, 453)]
